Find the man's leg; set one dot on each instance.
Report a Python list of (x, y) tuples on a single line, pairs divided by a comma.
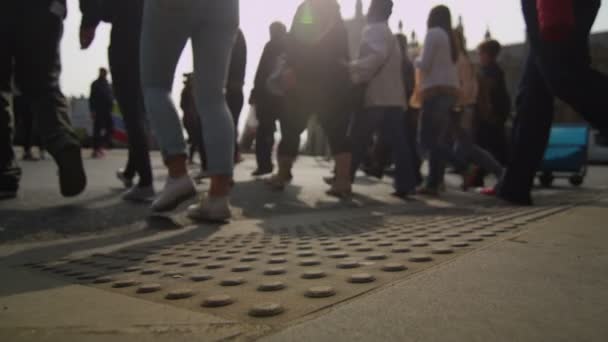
[(37, 76), (97, 127), (365, 123), (566, 68), (405, 177), (530, 135), (25, 122), (235, 100), (264, 141), (124, 62), (10, 173)]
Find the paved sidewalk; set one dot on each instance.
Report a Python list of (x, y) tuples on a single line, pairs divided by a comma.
[(374, 269)]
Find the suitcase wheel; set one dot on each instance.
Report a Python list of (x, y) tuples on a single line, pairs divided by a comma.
[(546, 179), (576, 180)]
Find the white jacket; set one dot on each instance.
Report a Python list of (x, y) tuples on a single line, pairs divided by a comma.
[(380, 65)]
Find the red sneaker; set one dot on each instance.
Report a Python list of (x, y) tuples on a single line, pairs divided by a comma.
[(488, 191)]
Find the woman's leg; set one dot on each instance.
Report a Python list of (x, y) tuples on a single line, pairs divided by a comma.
[(212, 44), (335, 120), (165, 31), (292, 123), (434, 128)]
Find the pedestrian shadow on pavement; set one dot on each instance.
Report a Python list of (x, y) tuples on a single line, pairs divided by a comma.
[(115, 255)]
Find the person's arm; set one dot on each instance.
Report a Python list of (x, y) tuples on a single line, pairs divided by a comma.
[(377, 49), (261, 74), (425, 61), (91, 18), (238, 63)]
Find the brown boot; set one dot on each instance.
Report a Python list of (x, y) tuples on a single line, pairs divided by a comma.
[(342, 185), (283, 176)]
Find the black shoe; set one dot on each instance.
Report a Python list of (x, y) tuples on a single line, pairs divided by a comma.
[(376, 172), (9, 181), (521, 201), (262, 172), (403, 195), (72, 178)]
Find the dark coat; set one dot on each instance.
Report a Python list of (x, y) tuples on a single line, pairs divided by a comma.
[(494, 102), (260, 96), (238, 62), (102, 97)]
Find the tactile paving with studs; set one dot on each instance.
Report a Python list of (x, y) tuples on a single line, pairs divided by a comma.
[(285, 273)]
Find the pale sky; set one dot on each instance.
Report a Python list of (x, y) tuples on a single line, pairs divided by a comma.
[(502, 16)]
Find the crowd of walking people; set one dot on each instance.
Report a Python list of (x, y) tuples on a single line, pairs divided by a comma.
[(376, 108)]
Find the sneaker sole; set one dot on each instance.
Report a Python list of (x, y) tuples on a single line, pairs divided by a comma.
[(178, 201), (198, 218)]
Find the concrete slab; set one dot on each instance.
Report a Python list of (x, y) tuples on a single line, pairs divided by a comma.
[(549, 284), (44, 309)]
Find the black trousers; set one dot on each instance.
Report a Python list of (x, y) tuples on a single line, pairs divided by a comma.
[(235, 100), (103, 128), (264, 136), (30, 35), (124, 65), (332, 111), (27, 128), (552, 69)]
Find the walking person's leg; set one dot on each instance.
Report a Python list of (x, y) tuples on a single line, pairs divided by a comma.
[(10, 173), (166, 29), (293, 123), (405, 177), (24, 119), (411, 129), (530, 135), (97, 129), (264, 142), (467, 150), (561, 69), (37, 76), (235, 100), (108, 130), (212, 45), (434, 130), (124, 62), (335, 120), (365, 124)]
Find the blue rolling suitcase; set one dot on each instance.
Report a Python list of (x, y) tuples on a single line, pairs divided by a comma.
[(566, 155)]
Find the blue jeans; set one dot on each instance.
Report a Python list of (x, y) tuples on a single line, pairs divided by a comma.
[(436, 124), (467, 151), (560, 70), (212, 26), (390, 122)]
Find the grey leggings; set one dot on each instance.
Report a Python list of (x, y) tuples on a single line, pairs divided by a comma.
[(167, 26)]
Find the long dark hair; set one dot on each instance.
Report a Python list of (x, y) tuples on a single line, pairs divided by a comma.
[(441, 17)]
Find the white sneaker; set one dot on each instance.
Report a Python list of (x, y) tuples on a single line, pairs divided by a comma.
[(139, 194), (176, 191), (211, 210)]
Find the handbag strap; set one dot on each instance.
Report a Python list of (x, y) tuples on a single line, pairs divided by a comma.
[(386, 59)]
